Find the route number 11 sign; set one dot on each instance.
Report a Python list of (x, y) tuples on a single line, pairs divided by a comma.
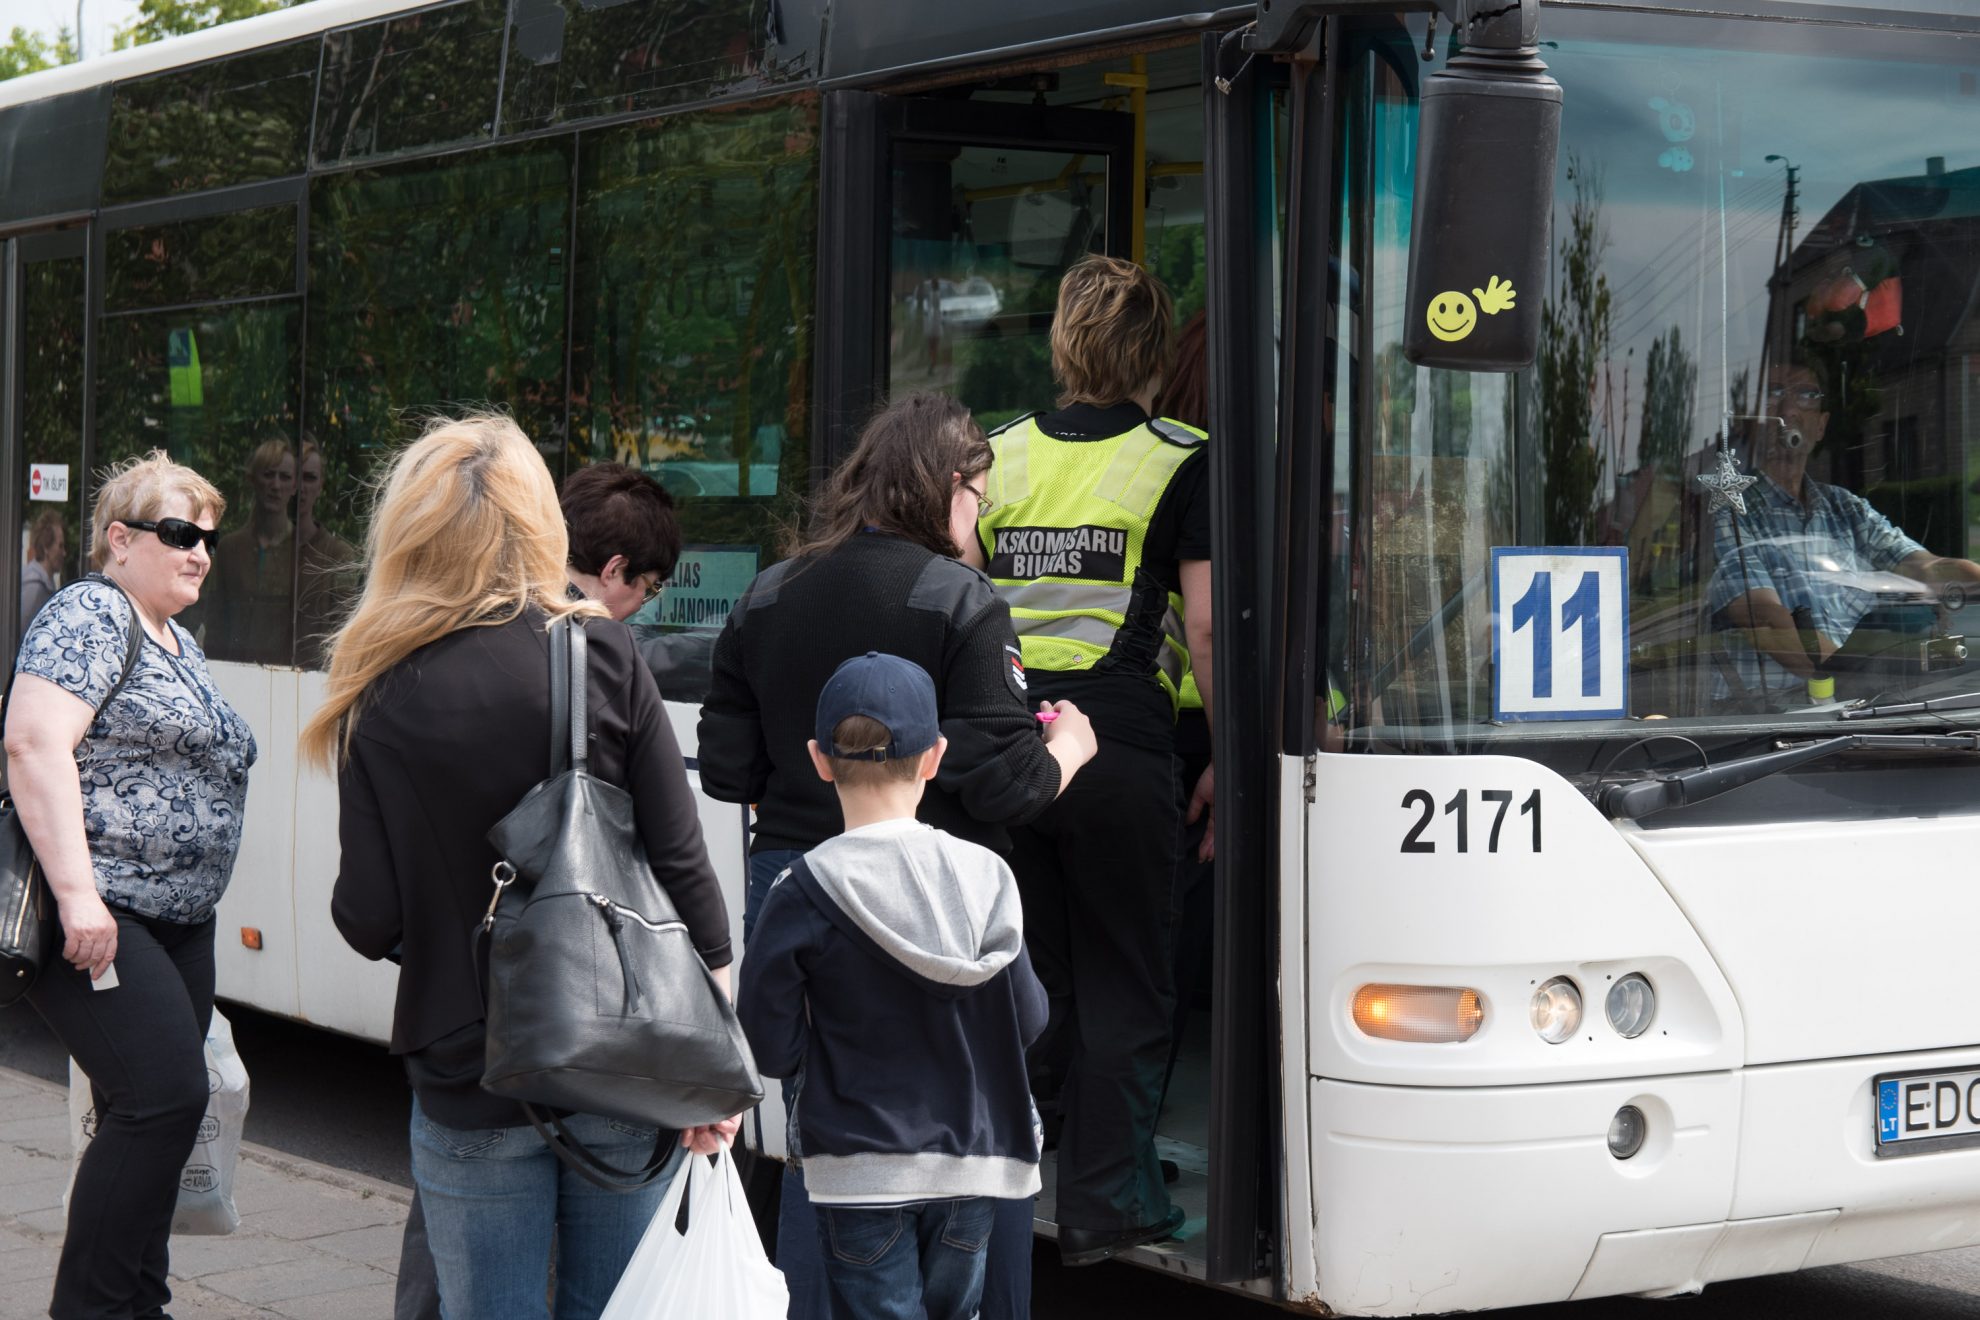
[(1560, 633)]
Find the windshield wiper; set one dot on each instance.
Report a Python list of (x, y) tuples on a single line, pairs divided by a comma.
[(1964, 701), (1646, 797)]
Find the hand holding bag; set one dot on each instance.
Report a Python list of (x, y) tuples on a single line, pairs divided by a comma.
[(597, 1000), (30, 931), (716, 1268)]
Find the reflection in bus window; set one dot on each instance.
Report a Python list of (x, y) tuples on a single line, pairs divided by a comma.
[(216, 388), (248, 602), (691, 349), (327, 565), (41, 572), (1754, 378), (51, 403), (433, 284)]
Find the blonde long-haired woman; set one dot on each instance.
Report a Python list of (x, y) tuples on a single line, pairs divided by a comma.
[(437, 721)]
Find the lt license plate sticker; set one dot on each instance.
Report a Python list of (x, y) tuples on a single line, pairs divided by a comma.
[(1920, 1112)]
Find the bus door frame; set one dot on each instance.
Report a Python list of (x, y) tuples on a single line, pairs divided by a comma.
[(1247, 1104), (855, 230)]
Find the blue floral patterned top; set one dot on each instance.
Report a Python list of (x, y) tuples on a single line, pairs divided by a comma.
[(164, 767)]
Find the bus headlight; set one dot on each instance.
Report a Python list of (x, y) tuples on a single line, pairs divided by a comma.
[(1428, 1014), (1630, 1006), (1556, 1010)]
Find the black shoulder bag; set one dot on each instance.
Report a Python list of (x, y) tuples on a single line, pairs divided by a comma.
[(597, 1000), (30, 930)]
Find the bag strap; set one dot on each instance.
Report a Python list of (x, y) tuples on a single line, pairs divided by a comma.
[(584, 1162), (133, 649), (570, 723)]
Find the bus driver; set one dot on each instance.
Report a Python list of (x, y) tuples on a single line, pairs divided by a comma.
[(1793, 565)]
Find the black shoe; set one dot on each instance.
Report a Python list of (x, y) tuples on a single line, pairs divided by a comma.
[(1171, 1173), (1090, 1246)]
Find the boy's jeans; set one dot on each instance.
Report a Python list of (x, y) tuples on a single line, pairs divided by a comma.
[(495, 1198), (908, 1261)]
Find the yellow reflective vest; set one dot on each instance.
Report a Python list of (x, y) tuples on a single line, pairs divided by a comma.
[(1064, 540)]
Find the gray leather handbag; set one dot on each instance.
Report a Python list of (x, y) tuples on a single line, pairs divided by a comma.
[(597, 1000)]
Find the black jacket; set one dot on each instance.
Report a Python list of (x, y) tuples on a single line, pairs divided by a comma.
[(446, 744), (800, 619)]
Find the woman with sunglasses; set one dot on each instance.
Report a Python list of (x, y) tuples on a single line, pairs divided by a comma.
[(878, 569), (131, 787)]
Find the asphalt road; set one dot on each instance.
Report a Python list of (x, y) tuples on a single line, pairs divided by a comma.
[(344, 1103)]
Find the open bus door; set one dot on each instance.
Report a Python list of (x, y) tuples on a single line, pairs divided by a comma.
[(945, 227)]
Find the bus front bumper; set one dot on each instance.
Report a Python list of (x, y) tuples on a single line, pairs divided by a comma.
[(1462, 1198)]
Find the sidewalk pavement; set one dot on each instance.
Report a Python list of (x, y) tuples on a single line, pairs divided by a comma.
[(315, 1243)]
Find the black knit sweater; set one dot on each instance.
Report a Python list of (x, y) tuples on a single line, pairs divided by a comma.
[(800, 619)]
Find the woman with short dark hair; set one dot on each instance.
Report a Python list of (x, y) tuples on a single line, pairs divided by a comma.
[(625, 540), (876, 568)]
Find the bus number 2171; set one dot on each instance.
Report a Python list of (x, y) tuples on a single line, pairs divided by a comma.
[(1459, 810)]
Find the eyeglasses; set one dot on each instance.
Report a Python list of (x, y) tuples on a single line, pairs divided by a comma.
[(652, 589), (178, 533), (983, 503), (1806, 396)]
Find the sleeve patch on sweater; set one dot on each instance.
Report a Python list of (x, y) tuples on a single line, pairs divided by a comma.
[(1014, 673)]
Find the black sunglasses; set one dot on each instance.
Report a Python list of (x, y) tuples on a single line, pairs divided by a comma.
[(178, 533)]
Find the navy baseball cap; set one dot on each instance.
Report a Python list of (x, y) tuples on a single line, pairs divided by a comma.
[(898, 693)]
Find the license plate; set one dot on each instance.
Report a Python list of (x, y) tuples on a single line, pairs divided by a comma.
[(1926, 1111)]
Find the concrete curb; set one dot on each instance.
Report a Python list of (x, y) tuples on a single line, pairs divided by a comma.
[(294, 1166)]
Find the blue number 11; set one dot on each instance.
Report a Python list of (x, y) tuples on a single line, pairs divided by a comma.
[(1583, 608)]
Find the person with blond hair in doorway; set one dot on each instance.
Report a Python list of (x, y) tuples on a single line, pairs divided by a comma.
[(1097, 536)]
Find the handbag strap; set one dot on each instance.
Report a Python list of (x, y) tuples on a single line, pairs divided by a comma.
[(586, 1163), (133, 649), (570, 724)]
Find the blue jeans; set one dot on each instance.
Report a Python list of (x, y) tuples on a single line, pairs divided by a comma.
[(495, 1198), (907, 1262), (1007, 1282)]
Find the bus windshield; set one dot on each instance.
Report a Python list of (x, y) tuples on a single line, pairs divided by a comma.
[(1741, 486)]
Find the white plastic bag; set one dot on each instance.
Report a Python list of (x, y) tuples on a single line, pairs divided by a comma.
[(206, 1184), (716, 1269)]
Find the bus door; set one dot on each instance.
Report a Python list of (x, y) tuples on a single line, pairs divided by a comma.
[(42, 403), (946, 226)]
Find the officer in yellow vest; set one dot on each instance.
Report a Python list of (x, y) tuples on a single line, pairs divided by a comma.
[(1097, 534)]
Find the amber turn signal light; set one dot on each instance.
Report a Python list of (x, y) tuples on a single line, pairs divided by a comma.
[(1426, 1014), (251, 937)]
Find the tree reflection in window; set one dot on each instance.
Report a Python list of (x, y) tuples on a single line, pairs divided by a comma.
[(420, 80), (693, 318), (574, 59), (236, 120), (433, 285)]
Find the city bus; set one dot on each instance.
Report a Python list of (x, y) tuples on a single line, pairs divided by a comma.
[(1596, 743)]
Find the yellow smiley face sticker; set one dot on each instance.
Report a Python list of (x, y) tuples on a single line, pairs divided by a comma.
[(1452, 316)]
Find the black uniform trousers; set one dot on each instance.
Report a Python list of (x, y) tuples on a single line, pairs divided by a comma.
[(1097, 871), (143, 1046)]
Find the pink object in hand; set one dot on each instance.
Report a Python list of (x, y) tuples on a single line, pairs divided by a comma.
[(1047, 716)]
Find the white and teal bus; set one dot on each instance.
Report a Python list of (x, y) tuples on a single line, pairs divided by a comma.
[(1596, 751)]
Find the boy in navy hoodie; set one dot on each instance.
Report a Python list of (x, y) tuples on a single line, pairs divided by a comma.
[(887, 972)]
